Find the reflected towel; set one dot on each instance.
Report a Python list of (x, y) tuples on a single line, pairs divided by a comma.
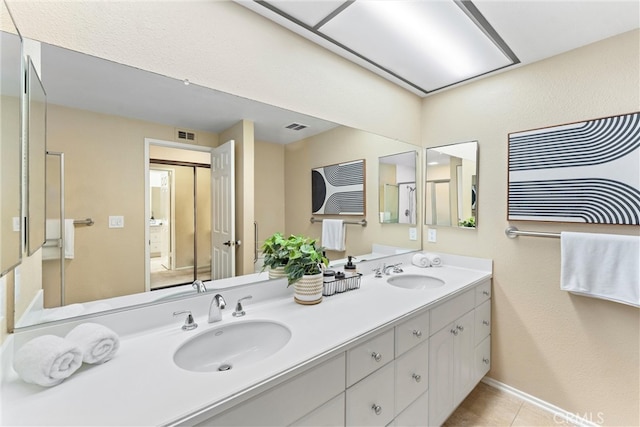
[(601, 266), (52, 234), (420, 260), (97, 342), (333, 234), (47, 360), (434, 259)]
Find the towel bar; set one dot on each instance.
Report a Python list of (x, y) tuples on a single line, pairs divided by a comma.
[(362, 222), (88, 222), (513, 232)]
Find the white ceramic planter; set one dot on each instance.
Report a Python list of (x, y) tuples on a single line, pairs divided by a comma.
[(308, 290)]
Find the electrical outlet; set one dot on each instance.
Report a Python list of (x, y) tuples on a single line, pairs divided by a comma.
[(413, 233), (116, 221), (432, 236), (16, 223)]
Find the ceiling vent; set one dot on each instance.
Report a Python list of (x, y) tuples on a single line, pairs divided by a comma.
[(185, 135), (296, 126)]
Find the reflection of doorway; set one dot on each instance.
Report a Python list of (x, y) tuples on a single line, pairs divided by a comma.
[(180, 216)]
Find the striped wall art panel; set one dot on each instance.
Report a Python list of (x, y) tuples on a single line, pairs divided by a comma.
[(338, 189), (587, 172)]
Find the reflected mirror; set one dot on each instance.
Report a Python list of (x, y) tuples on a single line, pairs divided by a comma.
[(10, 84), (99, 114), (451, 188), (397, 188), (36, 154)]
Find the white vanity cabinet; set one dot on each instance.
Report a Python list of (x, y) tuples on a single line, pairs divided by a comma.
[(457, 347)]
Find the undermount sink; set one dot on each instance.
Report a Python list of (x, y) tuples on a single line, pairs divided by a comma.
[(415, 281), (232, 346)]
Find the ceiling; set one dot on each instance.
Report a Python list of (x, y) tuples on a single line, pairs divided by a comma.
[(474, 39)]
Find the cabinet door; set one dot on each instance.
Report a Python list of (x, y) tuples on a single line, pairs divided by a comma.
[(416, 415), (483, 358), (441, 363), (412, 372), (371, 401), (464, 368)]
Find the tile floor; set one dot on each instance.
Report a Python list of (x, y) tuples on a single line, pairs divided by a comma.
[(488, 406)]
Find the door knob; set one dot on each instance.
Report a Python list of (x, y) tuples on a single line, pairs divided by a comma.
[(228, 243)]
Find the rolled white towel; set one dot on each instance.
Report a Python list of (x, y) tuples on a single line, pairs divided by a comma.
[(420, 260), (97, 342), (434, 259), (47, 360)]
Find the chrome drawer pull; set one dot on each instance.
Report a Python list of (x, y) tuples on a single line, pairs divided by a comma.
[(377, 409), (486, 293), (460, 328), (485, 322), (454, 331), (416, 377), (417, 333), (485, 360), (376, 356)]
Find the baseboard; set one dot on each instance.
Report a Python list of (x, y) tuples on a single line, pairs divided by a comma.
[(559, 414)]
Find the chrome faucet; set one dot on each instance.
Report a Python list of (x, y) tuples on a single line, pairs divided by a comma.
[(199, 286), (396, 268), (215, 308)]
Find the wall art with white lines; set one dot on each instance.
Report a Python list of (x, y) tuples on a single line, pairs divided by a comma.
[(586, 172), (338, 189)]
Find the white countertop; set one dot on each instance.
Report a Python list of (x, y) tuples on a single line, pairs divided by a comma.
[(141, 385)]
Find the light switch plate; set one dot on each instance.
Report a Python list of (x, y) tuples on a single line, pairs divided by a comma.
[(116, 221), (413, 233), (432, 235)]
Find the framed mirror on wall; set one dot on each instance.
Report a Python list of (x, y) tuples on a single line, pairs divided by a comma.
[(36, 156), (397, 188), (10, 152), (451, 187)]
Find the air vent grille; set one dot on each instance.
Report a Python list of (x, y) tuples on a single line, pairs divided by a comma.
[(296, 126), (185, 135)]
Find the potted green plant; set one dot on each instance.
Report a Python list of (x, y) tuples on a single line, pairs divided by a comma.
[(304, 269), (276, 255), (471, 222)]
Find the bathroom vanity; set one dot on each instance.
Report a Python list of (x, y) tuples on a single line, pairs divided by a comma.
[(379, 355)]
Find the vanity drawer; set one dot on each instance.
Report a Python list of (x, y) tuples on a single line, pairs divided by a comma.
[(416, 415), (412, 332), (371, 401), (289, 401), (483, 292), (483, 321), (369, 356), (330, 414), (447, 312), (483, 358), (412, 372)]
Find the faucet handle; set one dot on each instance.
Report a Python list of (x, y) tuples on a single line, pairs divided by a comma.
[(239, 310), (189, 323), (377, 271), (397, 269)]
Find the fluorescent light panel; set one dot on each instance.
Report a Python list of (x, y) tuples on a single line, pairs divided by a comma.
[(428, 44)]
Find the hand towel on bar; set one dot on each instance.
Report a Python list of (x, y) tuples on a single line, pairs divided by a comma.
[(97, 342), (333, 234), (434, 259), (601, 266), (51, 249), (47, 360), (420, 260)]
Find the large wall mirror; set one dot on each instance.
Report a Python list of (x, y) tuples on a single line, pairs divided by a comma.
[(99, 114), (451, 187), (397, 188), (10, 112), (36, 155)]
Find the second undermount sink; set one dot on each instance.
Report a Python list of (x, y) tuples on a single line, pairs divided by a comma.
[(232, 346), (415, 281)]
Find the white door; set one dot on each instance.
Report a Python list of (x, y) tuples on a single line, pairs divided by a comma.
[(223, 250), (166, 194)]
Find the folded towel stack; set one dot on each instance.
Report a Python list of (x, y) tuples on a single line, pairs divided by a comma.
[(97, 342), (47, 360), (434, 259), (420, 260)]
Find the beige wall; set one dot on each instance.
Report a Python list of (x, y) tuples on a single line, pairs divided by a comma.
[(578, 353), (104, 162), (339, 145), (243, 135), (269, 189)]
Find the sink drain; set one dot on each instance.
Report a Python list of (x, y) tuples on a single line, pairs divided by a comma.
[(224, 367)]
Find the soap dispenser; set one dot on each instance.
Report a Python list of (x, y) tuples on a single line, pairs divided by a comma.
[(350, 267)]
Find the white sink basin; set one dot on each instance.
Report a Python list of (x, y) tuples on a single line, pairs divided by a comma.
[(415, 281), (232, 346)]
